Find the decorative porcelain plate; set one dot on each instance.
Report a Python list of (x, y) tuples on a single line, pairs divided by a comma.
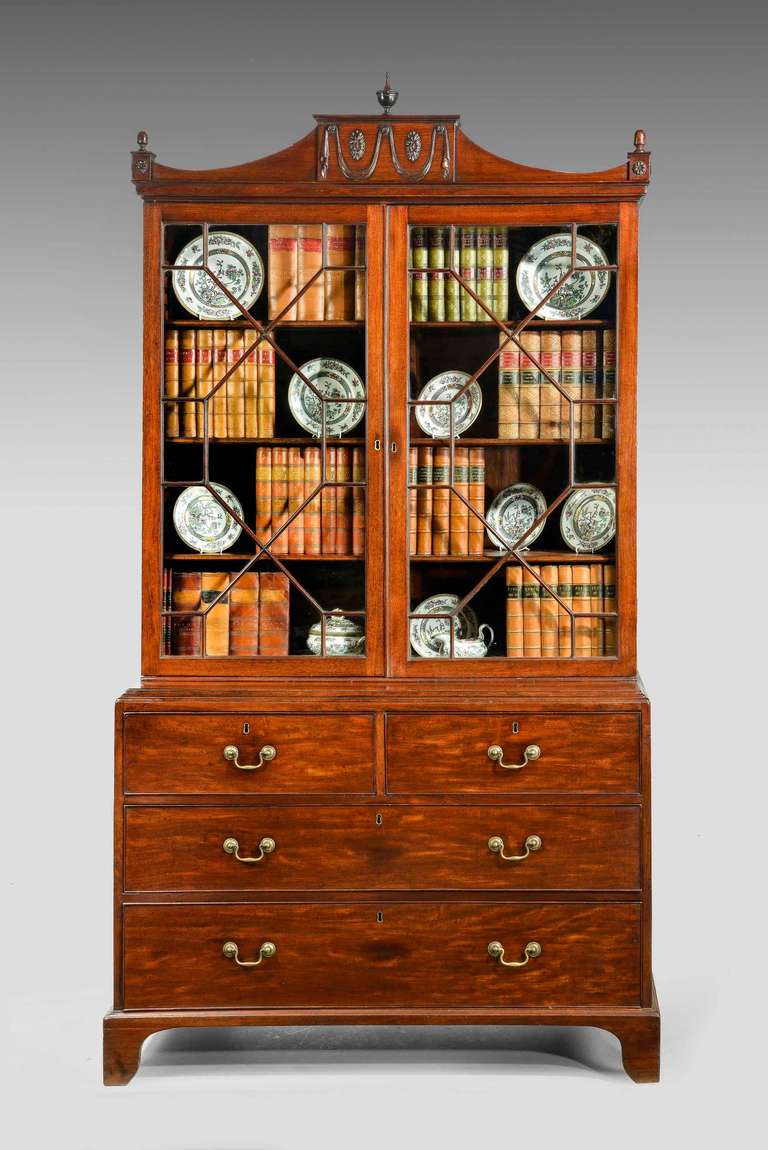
[(334, 380), (588, 519), (234, 261), (545, 263), (435, 420), (203, 523), (425, 632), (511, 514)]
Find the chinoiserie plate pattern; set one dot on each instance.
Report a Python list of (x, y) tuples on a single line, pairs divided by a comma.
[(425, 632), (588, 518), (202, 523), (334, 380), (511, 514), (545, 264), (234, 261), (435, 420)]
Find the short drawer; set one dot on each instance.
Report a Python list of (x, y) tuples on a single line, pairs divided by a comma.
[(594, 753), (279, 848), (393, 954), (185, 754)]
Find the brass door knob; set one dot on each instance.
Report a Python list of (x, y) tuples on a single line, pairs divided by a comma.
[(266, 950), (266, 847), (531, 950), (531, 844), (530, 755), (266, 755)]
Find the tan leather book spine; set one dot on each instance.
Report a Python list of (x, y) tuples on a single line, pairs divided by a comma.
[(165, 620), (608, 421), (424, 498), (312, 517), (441, 501), (570, 377), (610, 626), (217, 408), (235, 385), (596, 604), (590, 420), (459, 526), (263, 493), (282, 272), (360, 276), (485, 273), (453, 261), (203, 377), (358, 502), (515, 642), (549, 415), (328, 504), (311, 305), (582, 601), (436, 281), (531, 614), (251, 388), (468, 269), (188, 417), (280, 498), (186, 630), (295, 500), (477, 499), (550, 640), (274, 613), (216, 622), (244, 615), (509, 389), (413, 500), (339, 285), (565, 591), (500, 273), (343, 502), (266, 402), (530, 385), (419, 276), (171, 382)]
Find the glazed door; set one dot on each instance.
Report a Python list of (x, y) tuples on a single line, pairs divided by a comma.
[(513, 507), (263, 540)]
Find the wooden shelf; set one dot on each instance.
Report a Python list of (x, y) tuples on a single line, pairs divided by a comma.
[(243, 557), (467, 441), (530, 556), (288, 323), (491, 326), (275, 441)]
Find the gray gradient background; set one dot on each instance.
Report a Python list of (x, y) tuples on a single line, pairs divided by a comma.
[(557, 84)]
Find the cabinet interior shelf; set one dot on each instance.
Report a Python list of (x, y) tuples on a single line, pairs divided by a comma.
[(530, 557), (489, 325), (244, 557), (237, 323), (468, 441), (275, 441)]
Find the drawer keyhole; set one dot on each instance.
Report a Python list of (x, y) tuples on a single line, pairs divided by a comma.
[(379, 915), (515, 728), (379, 820), (246, 728)]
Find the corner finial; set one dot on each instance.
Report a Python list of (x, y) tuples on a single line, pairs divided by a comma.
[(142, 139), (640, 140), (639, 159), (386, 96), (141, 159)]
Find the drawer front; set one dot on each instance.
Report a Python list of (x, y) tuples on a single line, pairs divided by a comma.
[(390, 848), (184, 754), (428, 754), (419, 954)]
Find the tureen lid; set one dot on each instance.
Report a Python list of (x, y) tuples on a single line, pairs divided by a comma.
[(337, 624)]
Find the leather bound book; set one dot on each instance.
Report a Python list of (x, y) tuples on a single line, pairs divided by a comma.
[(235, 385), (570, 377), (251, 387), (328, 504), (244, 615), (550, 414), (413, 501), (515, 645), (452, 260), (550, 642), (459, 528), (283, 269), (596, 604), (166, 619), (424, 500), (358, 502), (500, 273), (216, 623), (477, 499), (436, 282), (530, 385), (509, 389), (565, 591), (610, 628), (203, 377), (441, 501), (263, 493), (339, 286), (582, 601), (360, 281), (279, 498), (309, 262), (186, 630), (590, 418), (217, 408), (608, 421), (468, 267), (343, 502), (188, 417), (531, 615), (295, 500), (419, 276), (485, 272), (171, 378), (274, 605), (266, 403), (312, 517)]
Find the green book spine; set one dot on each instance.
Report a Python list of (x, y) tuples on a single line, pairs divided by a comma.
[(468, 265), (485, 272), (437, 246), (419, 260), (500, 273), (453, 258)]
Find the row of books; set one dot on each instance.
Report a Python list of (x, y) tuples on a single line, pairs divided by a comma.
[(195, 361), (333, 522), (538, 627), (439, 521), (250, 618), (296, 256), (480, 255), (531, 407)]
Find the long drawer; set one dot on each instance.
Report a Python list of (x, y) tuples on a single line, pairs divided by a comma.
[(433, 753), (394, 954), (275, 848), (276, 754)]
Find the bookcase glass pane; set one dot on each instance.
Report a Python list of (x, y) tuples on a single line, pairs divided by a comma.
[(511, 456), (264, 469)]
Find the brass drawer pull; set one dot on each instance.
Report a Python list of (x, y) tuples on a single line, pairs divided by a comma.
[(530, 755), (266, 846), (266, 755), (266, 950), (532, 950), (496, 844)]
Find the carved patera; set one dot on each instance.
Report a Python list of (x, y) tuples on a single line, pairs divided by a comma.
[(356, 144), (413, 145), (440, 140), (639, 168)]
